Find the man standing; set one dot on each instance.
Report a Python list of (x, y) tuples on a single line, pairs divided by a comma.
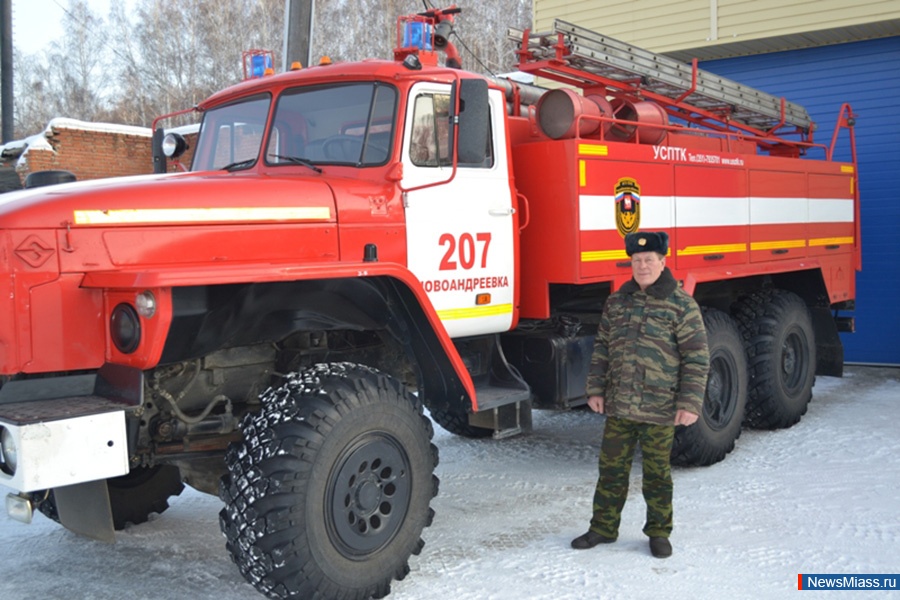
[(648, 374)]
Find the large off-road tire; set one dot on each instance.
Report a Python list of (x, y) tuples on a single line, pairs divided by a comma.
[(133, 497), (781, 353), (457, 423), (51, 177), (328, 493), (707, 441)]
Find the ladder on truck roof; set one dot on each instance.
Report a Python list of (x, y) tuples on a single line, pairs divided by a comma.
[(584, 58)]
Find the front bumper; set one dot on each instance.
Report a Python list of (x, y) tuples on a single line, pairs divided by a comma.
[(59, 442)]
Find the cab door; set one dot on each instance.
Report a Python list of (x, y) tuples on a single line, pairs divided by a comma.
[(460, 234)]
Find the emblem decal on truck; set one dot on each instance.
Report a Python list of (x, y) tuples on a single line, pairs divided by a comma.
[(628, 206), (34, 251)]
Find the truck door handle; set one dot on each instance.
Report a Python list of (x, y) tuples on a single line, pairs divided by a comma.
[(501, 212)]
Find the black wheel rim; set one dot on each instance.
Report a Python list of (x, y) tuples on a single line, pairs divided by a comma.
[(368, 495), (721, 392), (794, 361)]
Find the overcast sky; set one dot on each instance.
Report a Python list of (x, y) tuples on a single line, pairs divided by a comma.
[(36, 22)]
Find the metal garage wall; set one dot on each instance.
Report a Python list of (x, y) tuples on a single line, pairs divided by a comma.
[(867, 75)]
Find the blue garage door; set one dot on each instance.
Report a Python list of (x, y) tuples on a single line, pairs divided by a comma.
[(867, 75)]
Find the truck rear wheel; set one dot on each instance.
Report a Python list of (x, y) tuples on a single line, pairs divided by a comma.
[(781, 351), (132, 497), (328, 494), (712, 437)]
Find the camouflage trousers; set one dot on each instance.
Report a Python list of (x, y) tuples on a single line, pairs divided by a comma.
[(620, 438)]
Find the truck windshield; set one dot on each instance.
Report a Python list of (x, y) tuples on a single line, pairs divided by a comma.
[(349, 124), (336, 124), (231, 135)]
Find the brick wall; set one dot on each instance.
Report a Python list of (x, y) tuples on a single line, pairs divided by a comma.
[(89, 150)]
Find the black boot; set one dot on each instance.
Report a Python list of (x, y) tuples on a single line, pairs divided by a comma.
[(591, 539), (660, 547)]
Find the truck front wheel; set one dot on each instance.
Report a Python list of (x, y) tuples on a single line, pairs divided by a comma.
[(781, 351), (328, 494), (713, 435)]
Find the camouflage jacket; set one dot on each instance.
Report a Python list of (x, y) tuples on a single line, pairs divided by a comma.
[(650, 355)]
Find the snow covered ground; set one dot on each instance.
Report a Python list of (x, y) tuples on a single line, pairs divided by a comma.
[(821, 497)]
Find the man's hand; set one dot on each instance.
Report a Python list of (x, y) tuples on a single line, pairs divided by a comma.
[(596, 403), (683, 417)]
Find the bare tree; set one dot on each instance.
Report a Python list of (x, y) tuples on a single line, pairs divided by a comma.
[(481, 34), (169, 56), (174, 54), (79, 62), (358, 29), (33, 107), (130, 105), (69, 79)]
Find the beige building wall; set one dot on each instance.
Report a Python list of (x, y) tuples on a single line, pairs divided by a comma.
[(721, 28)]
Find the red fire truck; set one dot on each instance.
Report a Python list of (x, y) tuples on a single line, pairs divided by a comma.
[(356, 242)]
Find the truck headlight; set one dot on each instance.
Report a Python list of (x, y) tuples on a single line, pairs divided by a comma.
[(125, 328), (9, 458)]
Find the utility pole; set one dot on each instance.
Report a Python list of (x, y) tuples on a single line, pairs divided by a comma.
[(298, 28), (6, 71)]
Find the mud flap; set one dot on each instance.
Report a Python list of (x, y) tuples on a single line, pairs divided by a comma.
[(84, 508)]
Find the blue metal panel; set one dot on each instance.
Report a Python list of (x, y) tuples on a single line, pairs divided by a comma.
[(867, 75)]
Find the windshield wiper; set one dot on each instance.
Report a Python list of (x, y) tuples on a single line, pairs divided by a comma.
[(298, 161), (241, 164)]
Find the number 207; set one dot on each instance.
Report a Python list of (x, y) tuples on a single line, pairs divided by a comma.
[(466, 251)]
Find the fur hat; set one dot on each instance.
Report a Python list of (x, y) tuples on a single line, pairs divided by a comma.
[(647, 241)]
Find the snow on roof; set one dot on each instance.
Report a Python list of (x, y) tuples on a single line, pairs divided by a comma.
[(17, 147), (64, 123), (20, 148)]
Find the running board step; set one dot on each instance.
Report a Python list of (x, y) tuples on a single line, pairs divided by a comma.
[(505, 410)]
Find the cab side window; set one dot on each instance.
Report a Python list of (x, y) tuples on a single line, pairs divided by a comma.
[(430, 143)]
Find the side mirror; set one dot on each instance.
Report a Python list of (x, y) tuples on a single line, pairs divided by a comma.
[(472, 120)]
